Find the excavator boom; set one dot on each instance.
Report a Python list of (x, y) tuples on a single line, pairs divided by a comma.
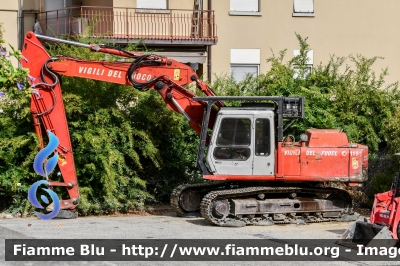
[(141, 71)]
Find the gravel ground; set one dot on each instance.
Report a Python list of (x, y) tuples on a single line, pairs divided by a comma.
[(162, 226)]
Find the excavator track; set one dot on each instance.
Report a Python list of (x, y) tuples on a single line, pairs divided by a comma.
[(216, 207), (193, 192)]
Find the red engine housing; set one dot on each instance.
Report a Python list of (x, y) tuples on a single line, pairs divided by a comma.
[(327, 156)]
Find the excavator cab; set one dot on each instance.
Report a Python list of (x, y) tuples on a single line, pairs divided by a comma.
[(382, 229), (242, 141)]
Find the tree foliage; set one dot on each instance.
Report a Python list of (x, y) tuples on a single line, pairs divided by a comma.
[(176, 141), (17, 141)]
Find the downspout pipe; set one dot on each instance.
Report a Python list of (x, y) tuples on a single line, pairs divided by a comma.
[(209, 72), (20, 25)]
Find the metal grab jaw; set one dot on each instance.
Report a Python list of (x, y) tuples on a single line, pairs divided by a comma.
[(377, 231), (366, 234)]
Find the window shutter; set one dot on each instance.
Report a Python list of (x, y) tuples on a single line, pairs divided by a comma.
[(245, 56), (304, 6), (158, 4), (239, 72), (244, 5)]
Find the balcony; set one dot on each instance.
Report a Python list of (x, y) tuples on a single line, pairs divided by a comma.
[(123, 25)]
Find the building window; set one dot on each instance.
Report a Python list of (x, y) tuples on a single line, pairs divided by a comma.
[(244, 8), (240, 72), (303, 8), (245, 62), (309, 64), (156, 4), (152, 6)]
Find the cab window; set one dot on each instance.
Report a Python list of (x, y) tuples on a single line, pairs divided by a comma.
[(233, 139), (234, 132), (263, 137)]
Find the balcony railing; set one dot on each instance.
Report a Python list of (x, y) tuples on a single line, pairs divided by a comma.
[(128, 24)]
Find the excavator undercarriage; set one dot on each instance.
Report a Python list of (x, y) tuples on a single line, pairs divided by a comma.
[(240, 204)]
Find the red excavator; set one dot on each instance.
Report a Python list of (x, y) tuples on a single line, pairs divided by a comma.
[(256, 175)]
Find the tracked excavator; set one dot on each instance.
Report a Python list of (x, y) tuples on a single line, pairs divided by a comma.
[(254, 174)]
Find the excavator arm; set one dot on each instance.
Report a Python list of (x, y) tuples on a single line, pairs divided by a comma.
[(163, 74)]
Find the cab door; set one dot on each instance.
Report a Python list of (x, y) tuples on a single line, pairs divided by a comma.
[(264, 145), (231, 152)]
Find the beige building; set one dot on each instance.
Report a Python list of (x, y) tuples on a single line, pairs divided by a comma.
[(222, 36), (337, 27)]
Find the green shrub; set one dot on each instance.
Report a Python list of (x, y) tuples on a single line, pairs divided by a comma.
[(382, 172), (18, 143), (176, 141)]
